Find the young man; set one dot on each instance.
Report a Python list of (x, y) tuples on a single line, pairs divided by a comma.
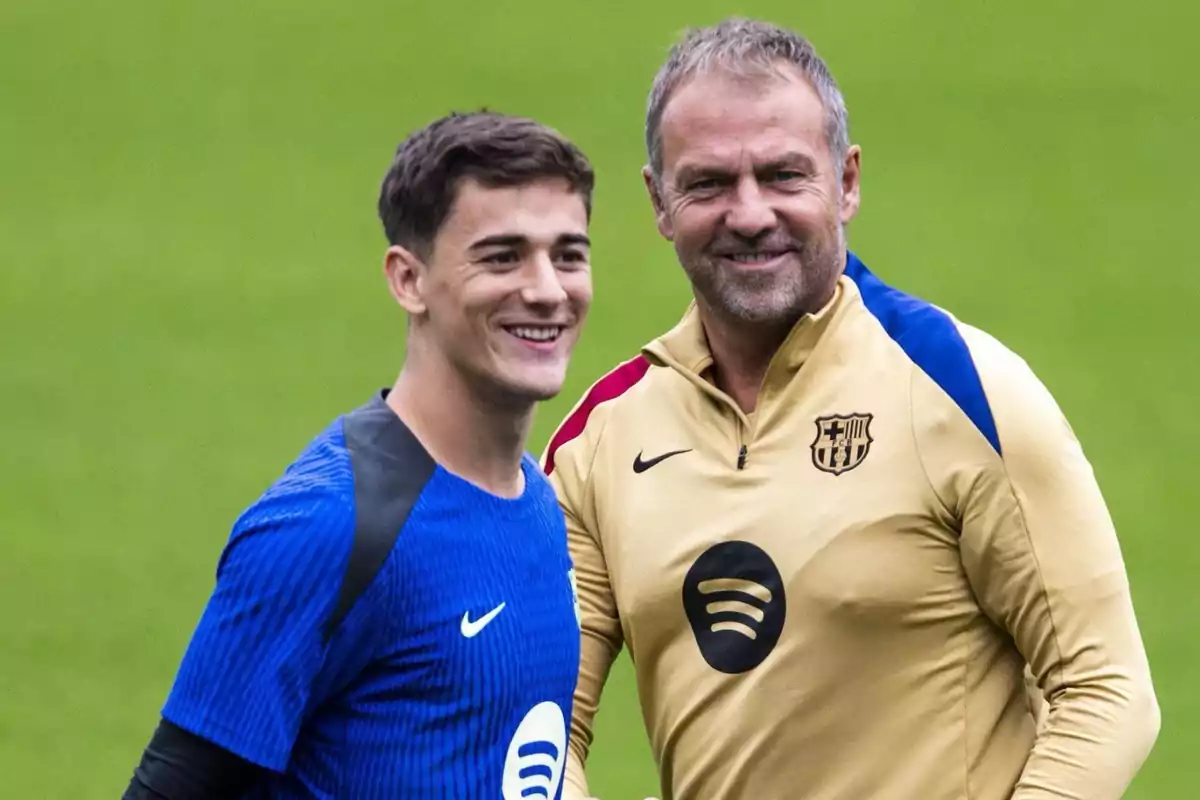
[(832, 523), (395, 616)]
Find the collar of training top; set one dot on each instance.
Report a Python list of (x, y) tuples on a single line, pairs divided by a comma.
[(685, 347)]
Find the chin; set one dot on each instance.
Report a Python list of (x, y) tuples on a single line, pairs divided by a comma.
[(529, 394), (542, 389), (532, 385)]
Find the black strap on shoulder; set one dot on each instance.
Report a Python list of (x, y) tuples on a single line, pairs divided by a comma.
[(391, 468)]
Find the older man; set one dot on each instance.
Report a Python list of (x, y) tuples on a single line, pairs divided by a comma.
[(834, 525)]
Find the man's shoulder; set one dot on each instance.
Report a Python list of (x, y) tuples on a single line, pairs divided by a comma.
[(310, 502), (335, 513), (965, 371), (323, 460), (389, 464), (616, 392), (975, 402), (359, 466), (1025, 410), (953, 357)]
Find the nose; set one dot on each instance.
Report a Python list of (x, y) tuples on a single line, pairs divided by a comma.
[(751, 213), (543, 286)]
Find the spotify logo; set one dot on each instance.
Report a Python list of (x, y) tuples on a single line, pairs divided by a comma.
[(733, 596), (537, 755)]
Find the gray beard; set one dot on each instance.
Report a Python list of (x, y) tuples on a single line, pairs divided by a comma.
[(764, 298)]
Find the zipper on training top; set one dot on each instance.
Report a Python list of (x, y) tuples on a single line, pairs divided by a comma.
[(745, 432), (743, 453)]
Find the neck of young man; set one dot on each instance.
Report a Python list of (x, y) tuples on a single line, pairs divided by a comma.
[(480, 439)]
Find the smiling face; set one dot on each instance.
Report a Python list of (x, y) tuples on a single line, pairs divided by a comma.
[(751, 196), (506, 287)]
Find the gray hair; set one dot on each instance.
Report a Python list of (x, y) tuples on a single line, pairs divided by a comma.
[(746, 48)]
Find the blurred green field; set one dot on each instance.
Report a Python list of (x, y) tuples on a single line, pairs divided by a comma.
[(190, 285)]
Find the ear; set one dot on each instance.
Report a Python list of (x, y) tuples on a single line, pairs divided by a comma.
[(851, 184), (405, 277), (661, 218)]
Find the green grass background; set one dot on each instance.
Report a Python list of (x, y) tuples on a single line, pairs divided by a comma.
[(190, 283)]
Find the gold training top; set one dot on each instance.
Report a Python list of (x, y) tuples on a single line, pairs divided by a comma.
[(837, 597)]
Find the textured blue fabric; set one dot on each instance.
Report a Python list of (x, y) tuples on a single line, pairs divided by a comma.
[(399, 703), (931, 339)]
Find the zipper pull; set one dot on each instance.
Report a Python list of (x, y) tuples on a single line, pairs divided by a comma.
[(742, 458)]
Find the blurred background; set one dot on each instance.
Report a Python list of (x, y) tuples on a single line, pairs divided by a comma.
[(190, 283)]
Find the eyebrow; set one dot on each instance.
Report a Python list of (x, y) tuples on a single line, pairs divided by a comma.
[(789, 158), (516, 240), (690, 171)]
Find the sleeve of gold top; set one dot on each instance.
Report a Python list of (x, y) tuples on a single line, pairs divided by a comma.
[(1041, 553), (601, 638)]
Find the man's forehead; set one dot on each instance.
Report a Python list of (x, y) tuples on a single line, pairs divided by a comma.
[(543, 211), (762, 148), (720, 117)]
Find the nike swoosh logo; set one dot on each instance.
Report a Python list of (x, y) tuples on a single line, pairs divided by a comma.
[(641, 466), (471, 629)]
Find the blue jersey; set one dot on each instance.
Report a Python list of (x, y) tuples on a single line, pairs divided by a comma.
[(449, 675)]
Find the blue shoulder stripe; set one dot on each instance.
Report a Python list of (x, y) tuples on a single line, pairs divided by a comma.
[(931, 340)]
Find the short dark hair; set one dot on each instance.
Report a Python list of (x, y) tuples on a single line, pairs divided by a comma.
[(498, 150)]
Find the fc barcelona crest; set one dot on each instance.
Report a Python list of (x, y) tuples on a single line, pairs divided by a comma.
[(843, 441)]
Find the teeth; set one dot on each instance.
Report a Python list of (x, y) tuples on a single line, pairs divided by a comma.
[(536, 334), (753, 258)]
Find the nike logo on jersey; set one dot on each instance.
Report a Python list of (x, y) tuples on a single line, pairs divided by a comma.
[(471, 629), (641, 466)]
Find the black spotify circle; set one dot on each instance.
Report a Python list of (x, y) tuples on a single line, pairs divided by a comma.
[(734, 599)]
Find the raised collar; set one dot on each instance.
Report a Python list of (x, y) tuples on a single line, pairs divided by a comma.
[(685, 346)]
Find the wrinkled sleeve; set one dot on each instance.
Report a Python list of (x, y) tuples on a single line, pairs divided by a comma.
[(250, 668), (1042, 555), (599, 622)]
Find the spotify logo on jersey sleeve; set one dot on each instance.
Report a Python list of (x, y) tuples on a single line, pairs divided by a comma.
[(734, 600)]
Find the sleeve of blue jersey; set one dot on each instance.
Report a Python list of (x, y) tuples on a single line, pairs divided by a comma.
[(249, 671)]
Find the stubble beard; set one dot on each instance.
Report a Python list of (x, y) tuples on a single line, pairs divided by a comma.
[(771, 298)]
